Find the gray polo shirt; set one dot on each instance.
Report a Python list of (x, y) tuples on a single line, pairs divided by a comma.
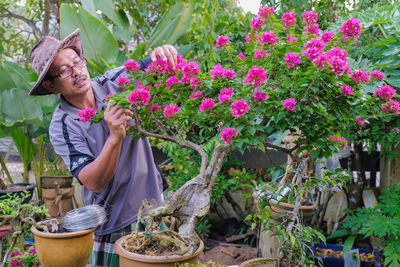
[(80, 143)]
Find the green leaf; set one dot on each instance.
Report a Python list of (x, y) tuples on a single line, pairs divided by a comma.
[(339, 233), (96, 37), (348, 244)]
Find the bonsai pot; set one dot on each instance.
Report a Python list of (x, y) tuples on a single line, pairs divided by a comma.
[(58, 201), (4, 230), (64, 181), (129, 259), (19, 189), (69, 249), (306, 211), (259, 262)]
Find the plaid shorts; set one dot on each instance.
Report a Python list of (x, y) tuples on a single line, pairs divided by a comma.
[(103, 253)]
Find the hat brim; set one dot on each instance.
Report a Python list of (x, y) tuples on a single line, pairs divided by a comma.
[(71, 41)]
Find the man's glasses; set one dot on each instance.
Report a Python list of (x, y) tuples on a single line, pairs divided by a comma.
[(68, 71)]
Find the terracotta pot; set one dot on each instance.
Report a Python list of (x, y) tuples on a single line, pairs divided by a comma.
[(259, 262), (63, 249), (19, 189), (64, 181), (129, 259), (4, 230), (305, 211), (53, 201)]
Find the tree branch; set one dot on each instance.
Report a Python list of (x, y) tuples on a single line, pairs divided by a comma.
[(31, 23)]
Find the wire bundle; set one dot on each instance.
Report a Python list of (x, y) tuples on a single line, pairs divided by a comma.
[(84, 218)]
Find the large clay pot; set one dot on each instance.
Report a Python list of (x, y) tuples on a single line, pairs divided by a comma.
[(63, 249), (54, 201), (4, 230), (306, 211), (64, 181), (129, 259)]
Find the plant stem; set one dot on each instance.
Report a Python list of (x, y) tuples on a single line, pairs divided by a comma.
[(4, 167)]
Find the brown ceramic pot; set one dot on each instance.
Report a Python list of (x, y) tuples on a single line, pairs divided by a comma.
[(4, 230), (129, 259), (54, 201), (305, 211), (259, 262), (63, 249)]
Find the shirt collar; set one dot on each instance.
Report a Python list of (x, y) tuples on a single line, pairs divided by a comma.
[(99, 94)]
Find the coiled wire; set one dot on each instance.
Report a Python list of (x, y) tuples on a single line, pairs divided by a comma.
[(84, 218)]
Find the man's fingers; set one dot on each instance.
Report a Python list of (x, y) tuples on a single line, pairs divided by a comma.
[(166, 52)]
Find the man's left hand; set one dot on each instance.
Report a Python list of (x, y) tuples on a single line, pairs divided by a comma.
[(166, 52)]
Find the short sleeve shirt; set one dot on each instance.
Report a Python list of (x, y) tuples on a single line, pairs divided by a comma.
[(78, 143)]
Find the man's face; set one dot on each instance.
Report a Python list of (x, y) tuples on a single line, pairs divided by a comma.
[(77, 83)]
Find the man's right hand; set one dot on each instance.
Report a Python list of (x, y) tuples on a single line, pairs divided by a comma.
[(116, 119)]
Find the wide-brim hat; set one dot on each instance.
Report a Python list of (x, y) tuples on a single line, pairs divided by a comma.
[(44, 53)]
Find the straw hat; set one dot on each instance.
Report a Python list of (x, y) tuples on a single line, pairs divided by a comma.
[(44, 53)]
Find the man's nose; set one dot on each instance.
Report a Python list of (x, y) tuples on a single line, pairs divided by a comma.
[(76, 70)]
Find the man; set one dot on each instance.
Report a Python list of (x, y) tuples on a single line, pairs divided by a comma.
[(115, 171)]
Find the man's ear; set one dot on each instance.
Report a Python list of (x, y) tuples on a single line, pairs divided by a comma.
[(48, 84)]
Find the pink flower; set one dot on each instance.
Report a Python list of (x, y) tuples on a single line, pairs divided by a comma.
[(261, 53), (290, 104), (256, 75), (122, 80), (227, 134), (360, 76), (351, 29), (171, 110), (257, 23), (385, 91), (155, 107), (312, 29), (258, 95), (158, 66), (219, 71), (290, 39), (195, 83), (131, 65), (229, 73), (141, 96), (347, 90), (86, 114), (360, 121), (107, 96), (377, 75), (241, 56), (309, 17), (32, 250), (292, 60), (222, 41), (225, 95), (190, 69), (288, 19), (239, 108), (391, 105), (327, 36), (15, 252), (207, 104), (265, 12), (267, 38), (337, 58), (196, 95), (313, 49), (171, 81)]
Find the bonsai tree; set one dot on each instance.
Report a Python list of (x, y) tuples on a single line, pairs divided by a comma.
[(290, 82)]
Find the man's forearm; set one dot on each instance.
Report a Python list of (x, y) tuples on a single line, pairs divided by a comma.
[(96, 175)]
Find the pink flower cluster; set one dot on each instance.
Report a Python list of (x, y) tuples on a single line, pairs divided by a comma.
[(219, 71), (171, 81), (196, 95), (347, 90), (360, 76), (385, 91), (351, 29), (122, 80), (312, 29), (257, 23), (225, 95), (259, 96), (261, 53), (158, 66), (360, 121), (291, 39), (107, 96), (327, 36), (309, 17), (241, 56), (268, 38), (86, 114), (131, 65), (289, 104), (377, 75), (288, 19), (313, 49), (391, 105), (265, 12), (222, 41), (341, 140), (239, 108), (139, 95), (256, 75), (292, 60), (171, 110), (207, 104), (227, 134)]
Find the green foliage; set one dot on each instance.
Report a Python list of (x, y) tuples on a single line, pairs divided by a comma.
[(203, 227), (382, 221), (28, 258)]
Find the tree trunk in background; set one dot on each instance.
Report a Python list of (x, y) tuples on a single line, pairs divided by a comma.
[(46, 18), (390, 170), (354, 195)]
